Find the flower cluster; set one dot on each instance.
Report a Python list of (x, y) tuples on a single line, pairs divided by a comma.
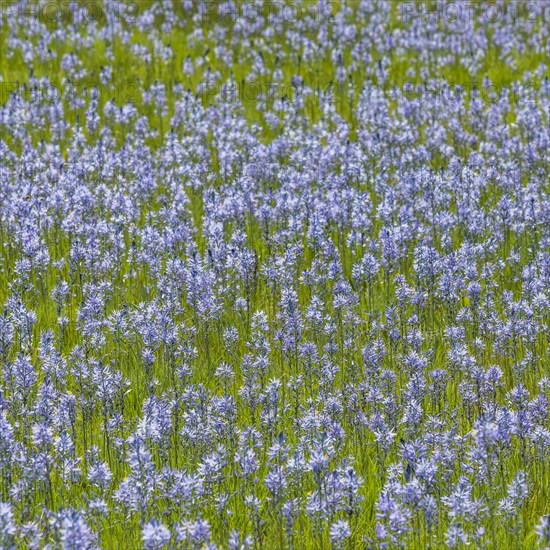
[(317, 317)]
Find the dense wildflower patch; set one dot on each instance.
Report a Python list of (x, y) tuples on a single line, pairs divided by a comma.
[(274, 275)]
